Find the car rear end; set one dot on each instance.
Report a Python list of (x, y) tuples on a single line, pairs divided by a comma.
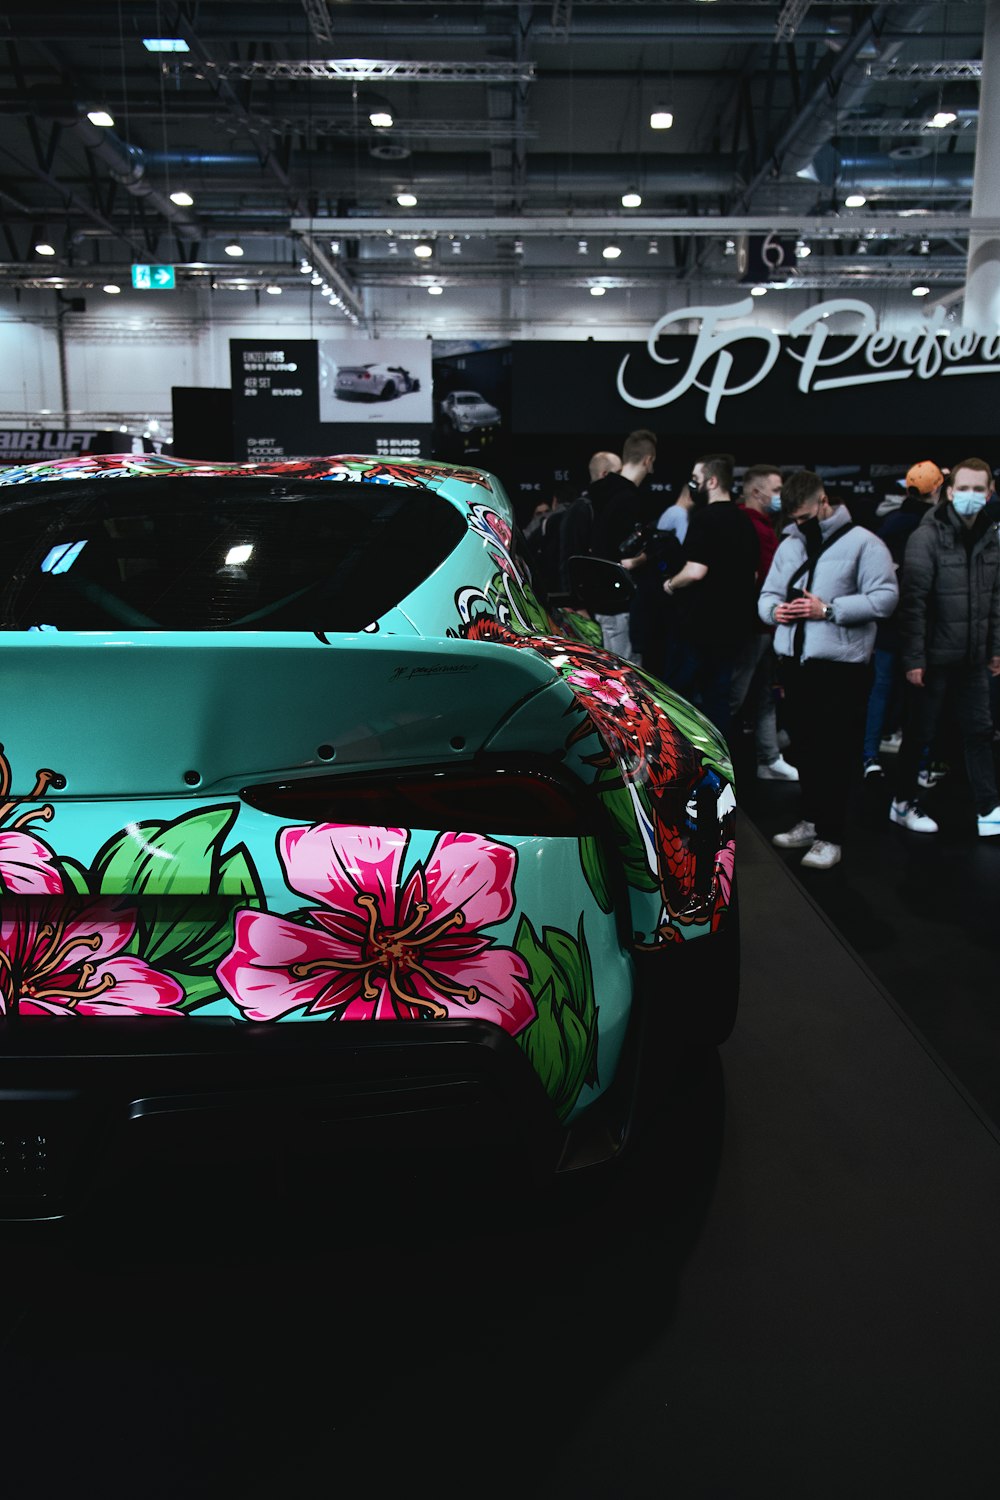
[(286, 872)]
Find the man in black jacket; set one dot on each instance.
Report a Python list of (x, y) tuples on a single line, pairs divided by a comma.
[(615, 511), (949, 625)]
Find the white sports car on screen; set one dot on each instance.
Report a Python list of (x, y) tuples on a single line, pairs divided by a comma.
[(468, 410), (376, 382)]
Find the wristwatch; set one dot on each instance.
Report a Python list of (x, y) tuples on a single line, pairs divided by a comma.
[(828, 611)]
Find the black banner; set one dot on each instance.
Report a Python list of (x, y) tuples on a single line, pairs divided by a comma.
[(749, 380)]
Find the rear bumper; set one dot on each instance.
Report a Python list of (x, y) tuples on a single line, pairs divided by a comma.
[(80, 1126)]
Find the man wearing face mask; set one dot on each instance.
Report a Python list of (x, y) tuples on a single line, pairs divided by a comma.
[(949, 621), (829, 583)]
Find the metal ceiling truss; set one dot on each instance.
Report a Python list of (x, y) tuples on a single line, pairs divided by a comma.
[(714, 226), (924, 72), (359, 70), (879, 125)]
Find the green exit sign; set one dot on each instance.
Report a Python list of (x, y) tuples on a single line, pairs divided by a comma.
[(153, 278)]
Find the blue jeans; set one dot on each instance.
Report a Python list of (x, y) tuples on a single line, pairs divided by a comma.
[(886, 664)]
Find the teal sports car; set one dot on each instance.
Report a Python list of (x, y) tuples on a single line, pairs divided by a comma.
[(323, 835)]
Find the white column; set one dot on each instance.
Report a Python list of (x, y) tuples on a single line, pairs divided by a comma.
[(982, 288)]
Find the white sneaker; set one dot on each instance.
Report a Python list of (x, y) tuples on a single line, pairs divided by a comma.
[(822, 856), (799, 837), (931, 775), (778, 770), (989, 824), (912, 816), (891, 743)]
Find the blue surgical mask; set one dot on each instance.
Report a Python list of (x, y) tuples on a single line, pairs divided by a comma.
[(776, 501), (968, 502)]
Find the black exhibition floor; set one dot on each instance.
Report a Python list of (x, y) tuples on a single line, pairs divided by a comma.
[(799, 1298)]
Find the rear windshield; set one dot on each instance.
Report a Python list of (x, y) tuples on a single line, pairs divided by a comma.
[(215, 553)]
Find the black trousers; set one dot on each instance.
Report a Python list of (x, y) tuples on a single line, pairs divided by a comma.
[(825, 704), (964, 690)]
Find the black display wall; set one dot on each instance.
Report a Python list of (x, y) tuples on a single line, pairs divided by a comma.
[(860, 408)]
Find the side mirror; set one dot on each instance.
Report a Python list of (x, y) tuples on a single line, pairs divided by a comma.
[(602, 587)]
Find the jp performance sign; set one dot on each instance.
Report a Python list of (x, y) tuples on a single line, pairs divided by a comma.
[(727, 362)]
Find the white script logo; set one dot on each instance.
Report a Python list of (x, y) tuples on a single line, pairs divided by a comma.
[(924, 350)]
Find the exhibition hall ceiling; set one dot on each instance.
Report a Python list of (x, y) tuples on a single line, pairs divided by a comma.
[(491, 145)]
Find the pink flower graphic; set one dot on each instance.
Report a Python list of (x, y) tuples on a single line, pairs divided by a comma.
[(607, 690), (27, 866), (58, 958), (379, 948)]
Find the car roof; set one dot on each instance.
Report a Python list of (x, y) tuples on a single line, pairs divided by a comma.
[(416, 472)]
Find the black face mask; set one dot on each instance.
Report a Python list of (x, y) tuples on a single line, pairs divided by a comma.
[(811, 534)]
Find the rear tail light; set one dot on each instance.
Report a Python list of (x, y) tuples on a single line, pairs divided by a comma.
[(494, 799)]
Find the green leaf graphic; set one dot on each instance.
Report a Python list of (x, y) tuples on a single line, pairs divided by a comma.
[(618, 801), (561, 1044), (176, 873), (595, 869)]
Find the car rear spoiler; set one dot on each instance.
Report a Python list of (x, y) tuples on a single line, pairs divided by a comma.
[(176, 714)]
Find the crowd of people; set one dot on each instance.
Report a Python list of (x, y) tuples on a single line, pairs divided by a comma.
[(828, 640)]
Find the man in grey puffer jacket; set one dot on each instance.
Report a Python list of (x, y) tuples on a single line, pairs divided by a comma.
[(949, 626), (829, 583)]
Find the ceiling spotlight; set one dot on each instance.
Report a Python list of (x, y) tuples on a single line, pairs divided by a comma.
[(611, 252), (518, 247), (861, 248), (234, 250), (315, 279), (393, 248), (855, 200), (305, 267), (661, 118), (112, 289), (598, 291), (758, 291), (920, 291), (45, 248), (423, 251), (631, 199), (273, 289), (334, 247), (406, 200), (456, 246), (581, 247), (730, 247), (435, 291), (653, 248), (925, 247), (182, 199), (936, 122), (802, 250), (102, 118), (381, 119)]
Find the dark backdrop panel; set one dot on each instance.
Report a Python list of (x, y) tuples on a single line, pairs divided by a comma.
[(203, 422), (562, 387)]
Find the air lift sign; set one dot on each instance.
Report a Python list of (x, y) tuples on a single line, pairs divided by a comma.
[(153, 278)]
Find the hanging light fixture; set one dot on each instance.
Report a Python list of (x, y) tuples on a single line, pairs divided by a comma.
[(661, 118), (631, 199)]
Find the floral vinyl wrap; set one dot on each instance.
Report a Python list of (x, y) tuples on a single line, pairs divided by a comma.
[(201, 905)]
